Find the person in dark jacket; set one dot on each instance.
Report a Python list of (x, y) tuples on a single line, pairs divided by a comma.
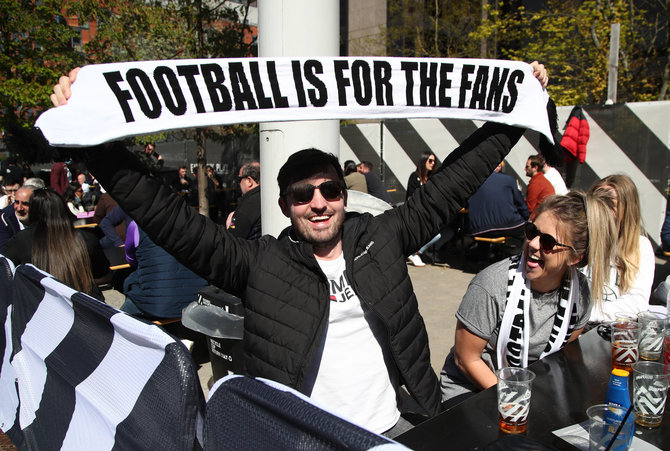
[(109, 225), (424, 169), (105, 205), (329, 305), (245, 221), (160, 287), (375, 185), (14, 217), (497, 209), (151, 159), (9, 225)]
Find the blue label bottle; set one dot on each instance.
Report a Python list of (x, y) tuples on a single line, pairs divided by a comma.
[(618, 398)]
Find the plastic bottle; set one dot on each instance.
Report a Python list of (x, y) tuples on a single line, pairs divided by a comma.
[(618, 396)]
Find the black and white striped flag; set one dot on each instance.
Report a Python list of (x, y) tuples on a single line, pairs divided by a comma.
[(86, 376)]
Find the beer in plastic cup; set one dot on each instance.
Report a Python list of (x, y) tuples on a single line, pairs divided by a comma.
[(666, 345), (624, 344), (650, 391), (651, 326), (514, 389)]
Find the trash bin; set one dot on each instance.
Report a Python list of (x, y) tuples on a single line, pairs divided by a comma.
[(219, 316)]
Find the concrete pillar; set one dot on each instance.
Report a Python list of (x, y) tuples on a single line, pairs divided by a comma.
[(293, 28)]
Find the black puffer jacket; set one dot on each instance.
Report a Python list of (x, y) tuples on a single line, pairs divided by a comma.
[(285, 293)]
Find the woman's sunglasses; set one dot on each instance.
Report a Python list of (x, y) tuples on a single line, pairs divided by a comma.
[(547, 242), (304, 192)]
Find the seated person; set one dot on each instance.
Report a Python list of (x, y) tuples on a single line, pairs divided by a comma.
[(497, 209), (109, 226), (52, 244), (353, 179), (73, 196), (633, 263), (104, 206), (160, 287), (15, 216), (543, 283)]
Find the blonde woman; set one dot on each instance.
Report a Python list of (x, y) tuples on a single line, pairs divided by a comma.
[(526, 307), (633, 264)]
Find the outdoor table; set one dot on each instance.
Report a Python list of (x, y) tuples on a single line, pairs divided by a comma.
[(85, 214), (567, 383)]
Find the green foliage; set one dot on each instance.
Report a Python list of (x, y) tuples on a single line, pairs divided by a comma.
[(136, 30), (432, 29), (572, 39), (36, 50)]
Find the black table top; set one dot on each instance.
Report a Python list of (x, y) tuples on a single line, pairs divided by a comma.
[(567, 383)]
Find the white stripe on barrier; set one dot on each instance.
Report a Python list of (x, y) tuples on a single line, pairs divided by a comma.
[(613, 161), (96, 410), (51, 322)]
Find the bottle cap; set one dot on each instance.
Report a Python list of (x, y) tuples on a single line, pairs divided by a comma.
[(618, 372)]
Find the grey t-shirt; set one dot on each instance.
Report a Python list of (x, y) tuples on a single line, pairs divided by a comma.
[(481, 311)]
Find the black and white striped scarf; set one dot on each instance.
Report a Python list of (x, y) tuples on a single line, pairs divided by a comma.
[(512, 346)]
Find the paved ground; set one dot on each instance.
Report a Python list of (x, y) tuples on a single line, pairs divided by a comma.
[(439, 291)]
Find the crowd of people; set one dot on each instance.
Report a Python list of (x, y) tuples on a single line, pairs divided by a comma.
[(329, 305), (64, 223)]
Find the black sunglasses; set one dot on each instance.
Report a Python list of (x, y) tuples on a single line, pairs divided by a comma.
[(304, 192), (547, 242)]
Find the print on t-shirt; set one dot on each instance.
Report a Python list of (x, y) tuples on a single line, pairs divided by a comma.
[(340, 290)]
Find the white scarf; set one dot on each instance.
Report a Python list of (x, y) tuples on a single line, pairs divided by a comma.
[(512, 346), (117, 100)]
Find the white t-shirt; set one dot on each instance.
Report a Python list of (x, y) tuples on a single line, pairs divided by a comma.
[(353, 381), (21, 225), (4, 201), (556, 181)]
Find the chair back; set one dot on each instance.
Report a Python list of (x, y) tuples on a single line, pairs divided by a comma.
[(244, 413)]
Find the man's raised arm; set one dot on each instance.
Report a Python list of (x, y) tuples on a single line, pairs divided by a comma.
[(194, 240)]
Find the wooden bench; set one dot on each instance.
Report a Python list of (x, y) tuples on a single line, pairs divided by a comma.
[(86, 226), (164, 321), (497, 240)]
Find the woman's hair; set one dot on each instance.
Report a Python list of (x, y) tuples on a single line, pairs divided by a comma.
[(57, 249), (628, 223), (70, 191), (421, 166), (349, 167), (585, 221)]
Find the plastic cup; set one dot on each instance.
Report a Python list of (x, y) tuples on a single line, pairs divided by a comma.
[(624, 317), (624, 344), (666, 345), (651, 325), (604, 421), (514, 389), (650, 391)]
